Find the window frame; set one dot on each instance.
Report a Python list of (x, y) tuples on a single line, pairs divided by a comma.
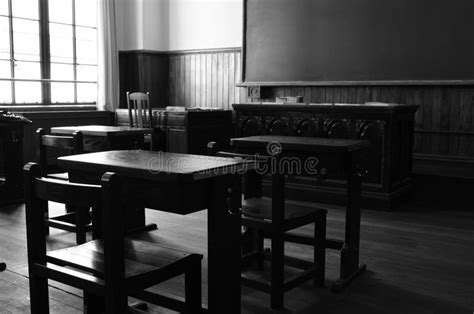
[(45, 61)]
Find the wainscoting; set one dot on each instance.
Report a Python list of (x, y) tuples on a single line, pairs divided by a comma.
[(206, 79), (444, 127), (144, 71)]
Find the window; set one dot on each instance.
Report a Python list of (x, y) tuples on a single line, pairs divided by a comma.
[(48, 51)]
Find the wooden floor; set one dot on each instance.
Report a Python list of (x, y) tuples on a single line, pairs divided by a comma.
[(419, 260)]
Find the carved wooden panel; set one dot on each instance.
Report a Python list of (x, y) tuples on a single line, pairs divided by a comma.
[(249, 126), (277, 126), (307, 127), (337, 128)]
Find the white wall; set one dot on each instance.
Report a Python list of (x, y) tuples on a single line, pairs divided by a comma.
[(164, 25), (156, 24), (128, 13), (142, 24), (202, 24)]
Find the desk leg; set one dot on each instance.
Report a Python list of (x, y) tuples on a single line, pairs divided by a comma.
[(93, 304), (350, 251), (224, 246)]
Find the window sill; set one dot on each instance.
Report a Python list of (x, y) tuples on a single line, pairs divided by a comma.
[(47, 108)]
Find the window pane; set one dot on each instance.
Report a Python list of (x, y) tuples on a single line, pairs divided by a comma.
[(60, 11), (5, 92), (26, 40), (62, 92), (62, 71), (61, 43), (4, 38), (86, 92), (27, 70), (5, 70), (4, 7), (86, 12), (86, 45), (28, 92), (86, 73), (25, 8)]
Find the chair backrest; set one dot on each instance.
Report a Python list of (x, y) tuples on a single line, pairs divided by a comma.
[(73, 143), (38, 191), (41, 189), (139, 110), (252, 183), (103, 198)]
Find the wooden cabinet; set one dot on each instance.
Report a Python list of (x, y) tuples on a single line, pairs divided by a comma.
[(188, 131), (386, 167)]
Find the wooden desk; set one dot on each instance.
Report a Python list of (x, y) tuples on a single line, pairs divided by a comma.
[(183, 184), (303, 148), (388, 127), (104, 137)]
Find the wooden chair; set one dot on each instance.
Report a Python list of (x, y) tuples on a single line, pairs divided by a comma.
[(112, 266), (140, 115), (266, 219), (74, 144), (76, 219)]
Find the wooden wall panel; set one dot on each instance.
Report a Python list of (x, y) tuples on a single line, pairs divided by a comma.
[(444, 125), (145, 71), (205, 78), (444, 122)]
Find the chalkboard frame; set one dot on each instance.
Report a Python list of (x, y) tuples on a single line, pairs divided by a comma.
[(245, 83)]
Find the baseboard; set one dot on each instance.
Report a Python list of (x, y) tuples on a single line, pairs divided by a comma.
[(442, 193), (443, 166)]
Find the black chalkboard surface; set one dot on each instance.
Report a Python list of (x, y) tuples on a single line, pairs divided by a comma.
[(305, 42)]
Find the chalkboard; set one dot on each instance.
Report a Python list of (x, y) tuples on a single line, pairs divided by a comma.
[(325, 42)]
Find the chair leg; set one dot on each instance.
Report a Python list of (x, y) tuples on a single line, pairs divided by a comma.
[(320, 251), (39, 299), (193, 293), (96, 223), (259, 242), (46, 226), (277, 265), (115, 301), (81, 220), (93, 303)]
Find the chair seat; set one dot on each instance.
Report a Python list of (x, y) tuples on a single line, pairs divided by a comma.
[(140, 257), (261, 208), (59, 176)]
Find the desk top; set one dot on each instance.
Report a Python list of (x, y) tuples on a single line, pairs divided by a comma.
[(100, 130), (155, 166), (297, 143), (372, 107)]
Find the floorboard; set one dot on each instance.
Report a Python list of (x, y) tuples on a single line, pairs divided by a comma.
[(419, 260)]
